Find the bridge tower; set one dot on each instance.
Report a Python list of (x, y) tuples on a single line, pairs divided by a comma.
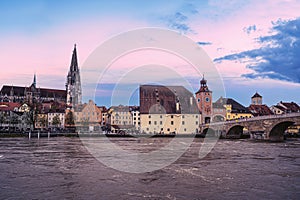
[(204, 101)]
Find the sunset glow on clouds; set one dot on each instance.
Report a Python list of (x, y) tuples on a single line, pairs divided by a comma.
[(255, 45)]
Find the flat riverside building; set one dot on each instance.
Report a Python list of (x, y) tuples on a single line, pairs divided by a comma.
[(168, 109)]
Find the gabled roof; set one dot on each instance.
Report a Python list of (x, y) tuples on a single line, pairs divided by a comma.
[(291, 106), (279, 107), (260, 110), (119, 108), (218, 105), (235, 106)]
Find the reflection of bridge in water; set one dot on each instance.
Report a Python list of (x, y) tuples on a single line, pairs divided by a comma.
[(270, 127)]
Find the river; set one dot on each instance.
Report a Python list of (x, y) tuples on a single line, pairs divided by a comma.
[(62, 168)]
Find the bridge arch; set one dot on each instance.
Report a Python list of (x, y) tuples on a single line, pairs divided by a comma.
[(235, 132), (276, 133)]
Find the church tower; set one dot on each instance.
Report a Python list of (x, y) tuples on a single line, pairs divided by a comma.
[(73, 85), (256, 99), (204, 101)]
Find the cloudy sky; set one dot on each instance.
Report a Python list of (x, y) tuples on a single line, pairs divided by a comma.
[(255, 45)]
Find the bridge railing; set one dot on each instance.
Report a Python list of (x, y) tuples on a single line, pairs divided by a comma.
[(256, 118)]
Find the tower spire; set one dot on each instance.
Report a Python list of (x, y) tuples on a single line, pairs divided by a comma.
[(34, 80), (74, 63)]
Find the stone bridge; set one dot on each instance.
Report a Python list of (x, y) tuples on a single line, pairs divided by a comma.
[(270, 127)]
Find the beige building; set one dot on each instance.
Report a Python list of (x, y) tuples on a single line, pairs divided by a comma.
[(168, 109), (89, 116), (277, 110), (136, 118), (170, 123), (119, 118)]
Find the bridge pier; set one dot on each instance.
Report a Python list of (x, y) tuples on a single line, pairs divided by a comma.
[(258, 135)]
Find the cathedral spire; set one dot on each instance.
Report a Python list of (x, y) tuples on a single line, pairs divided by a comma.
[(74, 63), (34, 80)]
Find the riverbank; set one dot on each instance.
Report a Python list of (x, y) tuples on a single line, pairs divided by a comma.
[(36, 134)]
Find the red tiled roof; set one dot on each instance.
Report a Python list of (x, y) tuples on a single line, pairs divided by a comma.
[(8, 106), (292, 107), (260, 110), (280, 107)]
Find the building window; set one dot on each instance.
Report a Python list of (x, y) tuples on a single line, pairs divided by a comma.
[(155, 123), (207, 99), (172, 122), (182, 116), (147, 129), (196, 116), (149, 122), (160, 122), (168, 129), (182, 122), (184, 130), (172, 116), (196, 122), (149, 116), (160, 116)]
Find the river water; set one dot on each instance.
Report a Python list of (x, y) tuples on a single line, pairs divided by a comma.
[(62, 168)]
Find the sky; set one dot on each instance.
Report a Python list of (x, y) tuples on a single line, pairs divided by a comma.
[(254, 45)]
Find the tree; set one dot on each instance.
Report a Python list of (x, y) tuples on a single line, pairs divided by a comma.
[(29, 118), (56, 121), (14, 120), (70, 119)]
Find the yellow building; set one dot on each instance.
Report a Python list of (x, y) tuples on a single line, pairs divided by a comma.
[(234, 110)]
